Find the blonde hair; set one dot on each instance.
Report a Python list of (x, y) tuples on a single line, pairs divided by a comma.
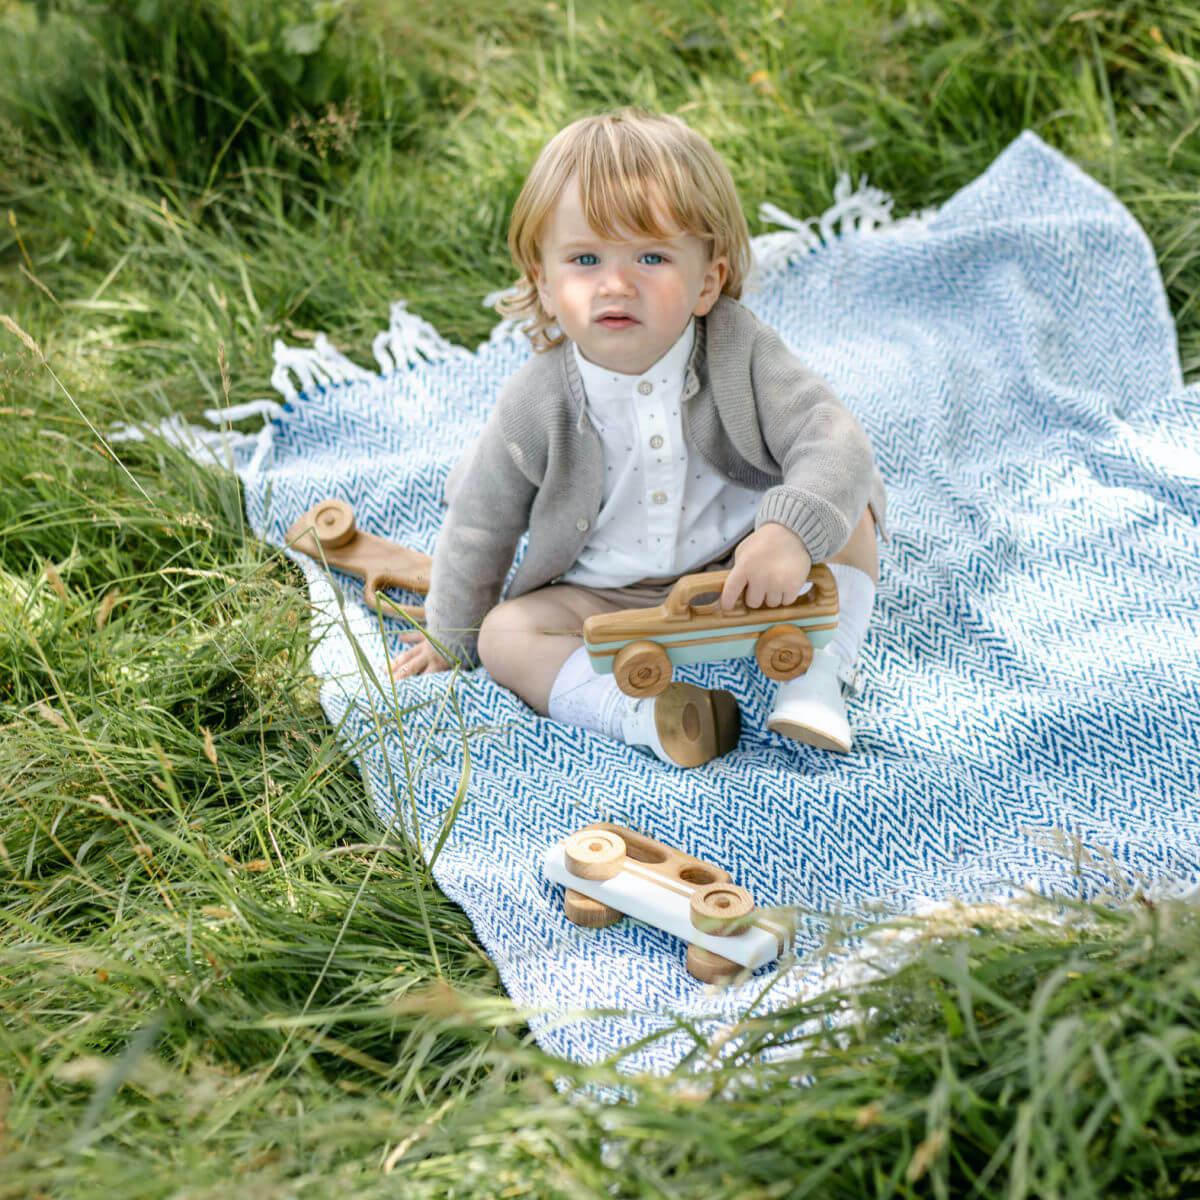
[(625, 160)]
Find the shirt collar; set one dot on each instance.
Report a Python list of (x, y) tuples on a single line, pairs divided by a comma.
[(599, 383)]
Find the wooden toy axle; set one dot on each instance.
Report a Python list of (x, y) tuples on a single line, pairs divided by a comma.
[(610, 871), (327, 533)]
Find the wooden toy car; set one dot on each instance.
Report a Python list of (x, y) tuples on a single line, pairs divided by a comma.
[(641, 645), (610, 872), (327, 533)]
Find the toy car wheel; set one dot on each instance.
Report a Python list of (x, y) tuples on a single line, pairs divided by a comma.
[(592, 914), (711, 968), (334, 523), (721, 908), (642, 669), (594, 853), (783, 652)]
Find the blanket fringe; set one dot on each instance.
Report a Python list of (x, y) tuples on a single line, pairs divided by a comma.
[(211, 447), (508, 329), (271, 409), (852, 214), (314, 367), (410, 340)]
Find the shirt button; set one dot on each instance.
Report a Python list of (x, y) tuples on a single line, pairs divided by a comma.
[(581, 524), (645, 387), (659, 497), (656, 441)]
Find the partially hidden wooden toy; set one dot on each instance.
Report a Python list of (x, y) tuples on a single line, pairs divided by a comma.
[(327, 533), (640, 646), (610, 872)]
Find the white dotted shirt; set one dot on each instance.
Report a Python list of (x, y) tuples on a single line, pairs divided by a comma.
[(665, 510)]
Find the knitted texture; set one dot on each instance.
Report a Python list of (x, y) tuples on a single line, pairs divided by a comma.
[(1032, 702), (581, 697), (856, 602)]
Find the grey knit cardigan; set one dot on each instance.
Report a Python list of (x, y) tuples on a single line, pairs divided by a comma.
[(751, 410)]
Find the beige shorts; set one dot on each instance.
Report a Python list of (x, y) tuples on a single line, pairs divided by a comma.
[(646, 593)]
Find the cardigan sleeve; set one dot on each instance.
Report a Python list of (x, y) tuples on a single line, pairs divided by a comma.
[(824, 454), (488, 512)]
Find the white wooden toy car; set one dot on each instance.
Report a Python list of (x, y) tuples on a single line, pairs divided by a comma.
[(610, 872)]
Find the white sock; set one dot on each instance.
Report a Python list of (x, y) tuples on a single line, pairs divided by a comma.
[(856, 599), (581, 697)]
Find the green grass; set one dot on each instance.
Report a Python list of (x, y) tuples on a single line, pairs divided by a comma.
[(219, 975)]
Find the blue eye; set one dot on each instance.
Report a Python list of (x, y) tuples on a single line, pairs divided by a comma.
[(649, 254)]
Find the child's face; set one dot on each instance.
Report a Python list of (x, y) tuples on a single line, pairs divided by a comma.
[(658, 284)]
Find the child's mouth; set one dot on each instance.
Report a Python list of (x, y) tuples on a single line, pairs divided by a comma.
[(617, 322)]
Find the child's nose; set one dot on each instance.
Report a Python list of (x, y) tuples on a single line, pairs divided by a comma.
[(616, 279)]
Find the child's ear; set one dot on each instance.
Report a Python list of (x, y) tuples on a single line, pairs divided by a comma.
[(714, 281), (539, 281)]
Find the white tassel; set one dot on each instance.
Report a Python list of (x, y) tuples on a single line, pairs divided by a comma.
[(379, 348), (410, 340), (239, 412), (323, 363), (205, 446), (336, 364), (776, 215), (264, 444), (852, 214), (508, 329), (287, 359), (866, 209)]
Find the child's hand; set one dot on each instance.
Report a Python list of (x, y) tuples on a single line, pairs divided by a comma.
[(419, 659), (772, 564)]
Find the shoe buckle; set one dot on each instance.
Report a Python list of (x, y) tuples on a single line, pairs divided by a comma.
[(851, 678)]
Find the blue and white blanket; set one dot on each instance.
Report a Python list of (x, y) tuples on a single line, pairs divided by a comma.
[(1032, 706)]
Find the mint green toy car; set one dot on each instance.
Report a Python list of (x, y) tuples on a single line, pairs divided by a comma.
[(641, 646)]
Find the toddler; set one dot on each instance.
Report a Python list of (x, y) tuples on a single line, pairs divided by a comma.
[(658, 430)]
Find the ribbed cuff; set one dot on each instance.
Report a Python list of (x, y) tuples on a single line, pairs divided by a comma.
[(467, 649), (812, 521)]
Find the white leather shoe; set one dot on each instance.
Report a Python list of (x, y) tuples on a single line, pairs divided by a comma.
[(684, 724), (811, 709)]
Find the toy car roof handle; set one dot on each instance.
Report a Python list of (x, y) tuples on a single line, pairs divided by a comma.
[(689, 587), (679, 600), (379, 580)]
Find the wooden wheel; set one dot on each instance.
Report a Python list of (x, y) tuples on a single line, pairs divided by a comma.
[(333, 521), (583, 910), (642, 669), (721, 908), (711, 968), (783, 652), (594, 853)]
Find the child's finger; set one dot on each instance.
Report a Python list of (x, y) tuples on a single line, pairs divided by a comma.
[(733, 587), (416, 660)]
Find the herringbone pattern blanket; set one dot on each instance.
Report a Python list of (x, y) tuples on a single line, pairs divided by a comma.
[(1032, 703)]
